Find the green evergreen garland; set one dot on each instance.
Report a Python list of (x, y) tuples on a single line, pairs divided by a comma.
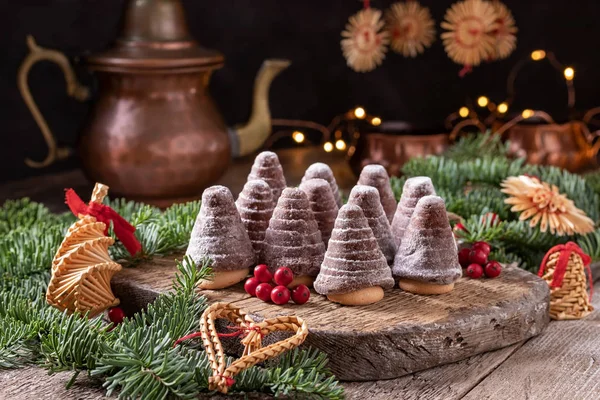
[(468, 177), (137, 357)]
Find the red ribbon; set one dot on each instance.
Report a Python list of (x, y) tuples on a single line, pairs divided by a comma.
[(563, 259), (103, 213)]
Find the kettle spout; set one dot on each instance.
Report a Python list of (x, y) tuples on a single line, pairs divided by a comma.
[(248, 138)]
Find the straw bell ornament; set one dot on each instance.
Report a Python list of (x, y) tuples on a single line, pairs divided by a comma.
[(564, 268)]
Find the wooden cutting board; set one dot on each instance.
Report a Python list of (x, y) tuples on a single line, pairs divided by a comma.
[(401, 334)]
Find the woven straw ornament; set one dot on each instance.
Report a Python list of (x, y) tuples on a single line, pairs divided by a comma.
[(469, 38), (82, 268), (564, 269), (411, 28), (505, 33), (365, 42)]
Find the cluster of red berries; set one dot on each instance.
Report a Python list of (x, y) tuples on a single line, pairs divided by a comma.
[(475, 260), (260, 286)]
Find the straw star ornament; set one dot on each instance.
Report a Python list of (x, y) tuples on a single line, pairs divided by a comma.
[(365, 42), (545, 206), (505, 33), (411, 28)]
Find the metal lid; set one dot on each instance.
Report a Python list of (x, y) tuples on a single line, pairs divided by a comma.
[(154, 35)]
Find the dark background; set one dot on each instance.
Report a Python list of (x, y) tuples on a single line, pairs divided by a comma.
[(317, 86)]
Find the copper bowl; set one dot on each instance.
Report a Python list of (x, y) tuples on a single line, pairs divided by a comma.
[(394, 144)]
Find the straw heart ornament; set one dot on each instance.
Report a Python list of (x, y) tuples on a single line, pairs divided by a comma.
[(252, 334)]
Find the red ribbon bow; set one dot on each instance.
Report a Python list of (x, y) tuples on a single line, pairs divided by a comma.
[(563, 259), (103, 213)]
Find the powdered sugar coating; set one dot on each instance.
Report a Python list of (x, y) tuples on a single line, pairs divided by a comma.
[(267, 167), (367, 198), (428, 252), (293, 238), (255, 206), (353, 259), (219, 233), (322, 171), (413, 190), (375, 175), (323, 205)]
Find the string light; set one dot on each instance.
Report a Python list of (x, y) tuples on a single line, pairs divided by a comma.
[(538, 55), (376, 121), (482, 101), (463, 112), (359, 112), (569, 73), (502, 108), (298, 136), (340, 145), (328, 147), (527, 113)]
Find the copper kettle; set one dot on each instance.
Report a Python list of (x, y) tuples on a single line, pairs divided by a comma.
[(154, 133)]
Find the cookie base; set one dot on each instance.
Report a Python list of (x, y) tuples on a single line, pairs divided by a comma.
[(302, 280), (360, 297), (418, 287), (224, 279)]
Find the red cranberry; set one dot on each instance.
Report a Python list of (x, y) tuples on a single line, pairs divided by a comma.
[(262, 273), (283, 276), (474, 271), (116, 315), (301, 294), (493, 269), (482, 246), (263, 291), (250, 286), (280, 295), (478, 256), (463, 257)]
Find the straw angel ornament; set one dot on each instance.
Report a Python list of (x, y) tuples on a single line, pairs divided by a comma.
[(82, 268), (364, 41), (411, 28)]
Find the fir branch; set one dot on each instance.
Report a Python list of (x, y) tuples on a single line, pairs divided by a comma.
[(15, 342), (590, 244), (474, 146)]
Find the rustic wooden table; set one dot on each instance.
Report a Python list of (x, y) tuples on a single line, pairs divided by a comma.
[(561, 363)]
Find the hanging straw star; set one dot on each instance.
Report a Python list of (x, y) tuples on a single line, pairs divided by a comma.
[(505, 33), (411, 28), (469, 25), (365, 43), (545, 205)]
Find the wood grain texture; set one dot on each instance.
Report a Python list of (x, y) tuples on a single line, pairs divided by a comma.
[(561, 363), (402, 334)]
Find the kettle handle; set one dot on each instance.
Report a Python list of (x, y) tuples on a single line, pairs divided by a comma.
[(74, 89)]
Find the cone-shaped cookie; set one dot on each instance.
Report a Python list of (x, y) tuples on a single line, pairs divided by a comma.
[(367, 198), (220, 235), (414, 189), (293, 238), (255, 205), (427, 259), (375, 175), (354, 271), (322, 204), (267, 167), (322, 171)]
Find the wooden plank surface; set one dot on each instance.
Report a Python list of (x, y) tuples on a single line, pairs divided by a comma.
[(397, 336)]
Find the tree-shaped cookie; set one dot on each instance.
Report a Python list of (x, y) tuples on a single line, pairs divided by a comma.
[(367, 198), (427, 259), (322, 204), (413, 190), (255, 205), (354, 271), (293, 238), (375, 175), (322, 171), (267, 167), (220, 235)]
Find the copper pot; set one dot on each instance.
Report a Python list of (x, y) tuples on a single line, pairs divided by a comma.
[(567, 146), (394, 144), (154, 133)]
